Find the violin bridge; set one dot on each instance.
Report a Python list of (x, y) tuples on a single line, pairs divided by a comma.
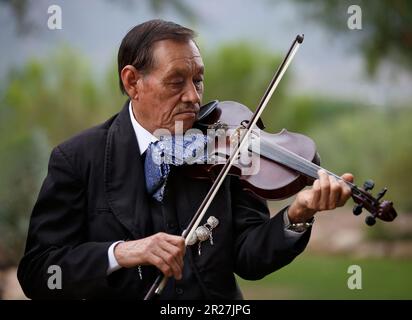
[(219, 126)]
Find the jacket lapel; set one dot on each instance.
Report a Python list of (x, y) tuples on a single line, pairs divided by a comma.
[(124, 177)]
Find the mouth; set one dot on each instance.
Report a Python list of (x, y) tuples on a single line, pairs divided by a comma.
[(188, 113), (194, 113)]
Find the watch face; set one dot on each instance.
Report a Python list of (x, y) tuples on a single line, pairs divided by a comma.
[(298, 227)]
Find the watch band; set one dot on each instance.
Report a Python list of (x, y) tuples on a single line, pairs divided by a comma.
[(300, 226)]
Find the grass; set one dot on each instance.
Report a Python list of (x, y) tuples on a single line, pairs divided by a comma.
[(325, 277)]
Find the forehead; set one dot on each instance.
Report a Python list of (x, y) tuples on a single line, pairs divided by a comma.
[(170, 54)]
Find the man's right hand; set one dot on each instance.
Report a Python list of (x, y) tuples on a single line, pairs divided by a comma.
[(162, 250)]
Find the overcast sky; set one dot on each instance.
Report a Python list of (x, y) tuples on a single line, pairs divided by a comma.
[(323, 66)]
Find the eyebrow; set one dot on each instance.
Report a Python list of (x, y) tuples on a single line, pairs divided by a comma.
[(183, 72), (201, 69)]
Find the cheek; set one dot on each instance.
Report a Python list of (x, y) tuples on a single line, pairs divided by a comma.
[(161, 104), (157, 105), (164, 112)]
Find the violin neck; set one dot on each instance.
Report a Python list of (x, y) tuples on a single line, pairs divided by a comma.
[(293, 161)]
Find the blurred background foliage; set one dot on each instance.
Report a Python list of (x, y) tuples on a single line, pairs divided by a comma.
[(45, 101), (387, 35)]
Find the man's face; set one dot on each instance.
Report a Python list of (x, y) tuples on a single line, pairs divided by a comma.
[(172, 91)]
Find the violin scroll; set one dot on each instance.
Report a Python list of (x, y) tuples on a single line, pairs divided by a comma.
[(382, 210)]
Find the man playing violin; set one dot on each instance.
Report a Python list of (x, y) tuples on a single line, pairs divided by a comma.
[(96, 221)]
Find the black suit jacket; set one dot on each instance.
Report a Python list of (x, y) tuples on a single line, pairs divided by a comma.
[(94, 194)]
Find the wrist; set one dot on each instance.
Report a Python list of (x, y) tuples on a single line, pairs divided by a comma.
[(113, 263), (298, 214), (124, 254)]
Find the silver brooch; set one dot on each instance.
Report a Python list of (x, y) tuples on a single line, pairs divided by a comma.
[(204, 233)]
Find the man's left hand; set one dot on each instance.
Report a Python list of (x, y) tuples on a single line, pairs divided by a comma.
[(327, 193)]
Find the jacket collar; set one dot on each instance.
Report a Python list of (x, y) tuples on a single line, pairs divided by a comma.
[(124, 177)]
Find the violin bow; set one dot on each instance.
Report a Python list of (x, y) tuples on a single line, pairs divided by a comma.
[(161, 281)]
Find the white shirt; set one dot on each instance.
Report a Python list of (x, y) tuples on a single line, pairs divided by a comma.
[(144, 138)]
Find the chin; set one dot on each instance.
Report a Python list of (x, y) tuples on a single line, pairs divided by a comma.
[(188, 119)]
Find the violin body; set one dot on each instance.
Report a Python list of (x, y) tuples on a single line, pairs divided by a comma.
[(287, 161)]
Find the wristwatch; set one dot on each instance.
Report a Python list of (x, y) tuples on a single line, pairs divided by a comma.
[(300, 226)]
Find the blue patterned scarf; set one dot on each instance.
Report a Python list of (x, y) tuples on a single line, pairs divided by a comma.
[(175, 151)]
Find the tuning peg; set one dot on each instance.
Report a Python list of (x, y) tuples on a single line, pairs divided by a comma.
[(368, 185), (381, 193), (357, 210), (370, 220)]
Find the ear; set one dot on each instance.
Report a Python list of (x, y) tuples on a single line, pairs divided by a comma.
[(130, 78)]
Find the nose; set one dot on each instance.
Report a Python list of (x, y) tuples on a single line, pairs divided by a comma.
[(191, 95)]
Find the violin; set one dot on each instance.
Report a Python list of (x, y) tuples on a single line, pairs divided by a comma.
[(288, 161)]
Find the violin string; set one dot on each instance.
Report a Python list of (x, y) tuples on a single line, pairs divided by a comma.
[(287, 160), (279, 154), (293, 160), (290, 159)]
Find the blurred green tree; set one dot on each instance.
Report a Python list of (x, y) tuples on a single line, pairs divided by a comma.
[(241, 72), (61, 96), (386, 28), (23, 157), (42, 104)]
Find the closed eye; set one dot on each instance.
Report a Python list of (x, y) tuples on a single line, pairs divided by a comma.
[(198, 83), (176, 84)]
